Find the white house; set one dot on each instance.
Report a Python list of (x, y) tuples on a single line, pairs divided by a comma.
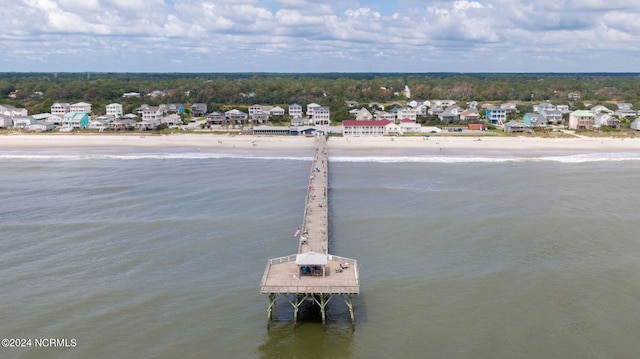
[(115, 110), (626, 112), (605, 119), (276, 111), (23, 121), (98, 125), (311, 108), (383, 115), (635, 125), (407, 113), (60, 108), (8, 110), (601, 109), (442, 103), (321, 116), (259, 110), (295, 110), (5, 121), (82, 107), (171, 120), (147, 112), (409, 126), (41, 127), (354, 128)]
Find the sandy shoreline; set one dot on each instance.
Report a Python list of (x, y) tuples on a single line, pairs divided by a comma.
[(210, 141)]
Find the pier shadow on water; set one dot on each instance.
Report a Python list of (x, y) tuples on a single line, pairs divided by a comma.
[(310, 338)]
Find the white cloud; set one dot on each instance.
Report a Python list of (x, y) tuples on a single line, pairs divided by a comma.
[(344, 32)]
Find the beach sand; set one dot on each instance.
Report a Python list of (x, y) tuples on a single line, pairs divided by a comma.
[(211, 141)]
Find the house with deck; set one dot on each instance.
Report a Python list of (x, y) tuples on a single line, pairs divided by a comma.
[(147, 112), (515, 126), (237, 117), (199, 109), (311, 108), (408, 125), (276, 111), (470, 115), (295, 110), (115, 110), (216, 118), (80, 107), (605, 119), (372, 128), (321, 116), (60, 108), (76, 120), (581, 119), (496, 115), (533, 120)]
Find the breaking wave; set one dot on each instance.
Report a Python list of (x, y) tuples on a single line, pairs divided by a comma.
[(574, 158), (581, 158), (144, 156)]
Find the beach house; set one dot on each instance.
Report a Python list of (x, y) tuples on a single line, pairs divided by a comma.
[(216, 118), (82, 107), (60, 108), (372, 128), (496, 115), (295, 110), (321, 116), (581, 119), (115, 110), (11, 111), (364, 115), (236, 116), (75, 120), (199, 109), (533, 119), (515, 126), (276, 111)]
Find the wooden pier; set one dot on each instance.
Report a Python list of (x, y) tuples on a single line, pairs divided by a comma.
[(313, 273)]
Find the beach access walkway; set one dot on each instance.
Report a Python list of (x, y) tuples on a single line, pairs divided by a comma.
[(313, 273)]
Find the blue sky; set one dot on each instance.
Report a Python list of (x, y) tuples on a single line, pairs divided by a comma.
[(320, 36)]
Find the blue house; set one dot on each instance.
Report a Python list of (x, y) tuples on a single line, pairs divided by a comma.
[(534, 120), (75, 120), (496, 115)]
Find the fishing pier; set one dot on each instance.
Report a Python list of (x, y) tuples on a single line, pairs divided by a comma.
[(312, 273)]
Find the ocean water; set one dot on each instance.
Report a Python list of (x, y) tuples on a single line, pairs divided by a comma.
[(159, 253)]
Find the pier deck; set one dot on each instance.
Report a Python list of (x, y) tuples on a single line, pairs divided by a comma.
[(338, 276)]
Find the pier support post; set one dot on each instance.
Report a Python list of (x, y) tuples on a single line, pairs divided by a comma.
[(296, 306), (272, 302), (353, 320)]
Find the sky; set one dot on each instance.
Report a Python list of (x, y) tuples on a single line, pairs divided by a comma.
[(296, 36)]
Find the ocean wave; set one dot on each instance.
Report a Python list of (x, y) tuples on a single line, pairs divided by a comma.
[(453, 159), (581, 158), (144, 156)]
